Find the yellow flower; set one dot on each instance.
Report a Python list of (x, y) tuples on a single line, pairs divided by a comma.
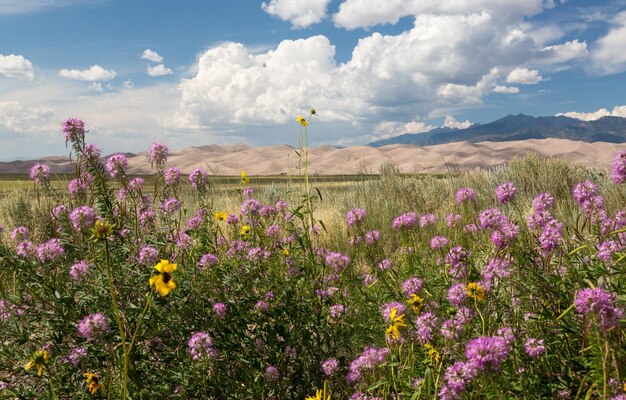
[(93, 384), (416, 303), (302, 121), (393, 330), (244, 178), (220, 216), (432, 353), (39, 359), (101, 229), (286, 252), (245, 231), (475, 291), (318, 396), (163, 283)]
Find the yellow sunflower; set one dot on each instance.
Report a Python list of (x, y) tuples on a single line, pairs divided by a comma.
[(302, 121), (393, 330), (220, 216), (39, 359), (93, 383), (244, 178), (475, 291), (164, 282)]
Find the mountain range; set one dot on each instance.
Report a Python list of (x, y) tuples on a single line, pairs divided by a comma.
[(520, 127)]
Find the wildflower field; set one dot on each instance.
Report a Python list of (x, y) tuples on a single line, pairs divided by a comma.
[(498, 284)]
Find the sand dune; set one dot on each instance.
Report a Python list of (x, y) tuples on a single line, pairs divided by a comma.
[(327, 160)]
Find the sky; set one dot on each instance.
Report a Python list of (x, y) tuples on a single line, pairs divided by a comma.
[(197, 72)]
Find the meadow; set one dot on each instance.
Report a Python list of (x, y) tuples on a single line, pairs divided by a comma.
[(498, 284)]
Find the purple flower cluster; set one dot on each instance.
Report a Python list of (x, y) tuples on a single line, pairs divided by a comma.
[(355, 216), (486, 352), (271, 374), (337, 310), (147, 255), (534, 347), (372, 237), (607, 248), (427, 219), (208, 260), (116, 165), (457, 293), (77, 354), (201, 346), (80, 185), (198, 178), (79, 270), (368, 360), (412, 286), (618, 168), (170, 206), (457, 258), (171, 176), (439, 242), (93, 326), (404, 221), (330, 366), (598, 302), (74, 129), (158, 154), (543, 202), (491, 218), (465, 195), (425, 325), (586, 194), (40, 173), (20, 233), (82, 218), (506, 192), (50, 250), (220, 309)]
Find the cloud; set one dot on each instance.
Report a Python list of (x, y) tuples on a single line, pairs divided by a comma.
[(17, 117), (13, 7), (524, 76), (388, 129), (16, 66), (451, 122), (128, 84), (618, 111), (95, 86), (608, 56), (506, 89), (354, 14), (301, 13), (152, 56), (94, 73), (159, 70), (561, 53)]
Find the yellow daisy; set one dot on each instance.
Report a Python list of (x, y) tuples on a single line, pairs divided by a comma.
[(244, 178), (164, 282), (220, 216), (39, 359), (93, 384), (475, 291), (302, 121)]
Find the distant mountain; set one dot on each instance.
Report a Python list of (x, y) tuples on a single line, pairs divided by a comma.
[(521, 127)]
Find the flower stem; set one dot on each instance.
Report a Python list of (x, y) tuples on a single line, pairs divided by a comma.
[(118, 318)]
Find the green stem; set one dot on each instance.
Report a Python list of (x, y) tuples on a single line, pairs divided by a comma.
[(143, 313), (118, 318)]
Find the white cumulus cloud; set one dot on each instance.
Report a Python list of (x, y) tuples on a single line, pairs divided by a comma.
[(618, 111), (301, 13), (16, 66), (524, 76), (608, 55), (152, 56), (388, 129), (451, 122), (506, 89), (95, 86), (354, 14), (93, 73), (159, 70), (21, 118), (564, 52)]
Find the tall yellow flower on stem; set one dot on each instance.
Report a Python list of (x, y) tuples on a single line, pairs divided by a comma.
[(244, 178), (475, 291), (302, 121), (220, 216), (93, 383), (245, 231), (164, 282), (319, 395), (393, 330), (39, 359)]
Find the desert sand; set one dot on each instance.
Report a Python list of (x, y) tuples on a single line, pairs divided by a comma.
[(327, 160)]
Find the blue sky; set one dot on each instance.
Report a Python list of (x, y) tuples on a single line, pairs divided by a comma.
[(240, 71)]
